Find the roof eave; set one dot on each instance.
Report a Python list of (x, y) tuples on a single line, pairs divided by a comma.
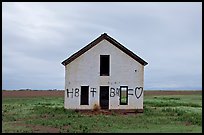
[(96, 41)]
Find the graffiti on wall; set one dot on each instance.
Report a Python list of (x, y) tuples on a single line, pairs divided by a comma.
[(137, 92), (73, 92), (93, 91)]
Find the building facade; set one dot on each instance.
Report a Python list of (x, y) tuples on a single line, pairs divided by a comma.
[(104, 73)]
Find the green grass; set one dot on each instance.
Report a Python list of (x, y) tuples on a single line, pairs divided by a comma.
[(166, 114)]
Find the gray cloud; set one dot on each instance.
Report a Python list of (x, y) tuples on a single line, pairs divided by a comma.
[(37, 37)]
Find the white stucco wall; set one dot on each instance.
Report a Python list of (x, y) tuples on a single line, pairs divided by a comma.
[(85, 70)]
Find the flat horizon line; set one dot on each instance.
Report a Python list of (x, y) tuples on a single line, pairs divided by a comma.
[(63, 90)]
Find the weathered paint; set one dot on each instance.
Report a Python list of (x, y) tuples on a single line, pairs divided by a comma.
[(85, 71)]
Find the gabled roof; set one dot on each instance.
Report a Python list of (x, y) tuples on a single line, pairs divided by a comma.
[(96, 41)]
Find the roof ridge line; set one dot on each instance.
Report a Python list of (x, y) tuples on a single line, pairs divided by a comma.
[(99, 39)]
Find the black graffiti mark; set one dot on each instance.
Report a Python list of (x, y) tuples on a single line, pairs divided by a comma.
[(73, 92), (68, 92), (138, 88), (93, 91), (130, 90), (76, 94), (118, 91), (112, 92)]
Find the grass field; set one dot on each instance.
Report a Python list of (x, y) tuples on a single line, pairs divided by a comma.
[(162, 113)]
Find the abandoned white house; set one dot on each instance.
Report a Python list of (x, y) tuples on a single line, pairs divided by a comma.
[(104, 73)]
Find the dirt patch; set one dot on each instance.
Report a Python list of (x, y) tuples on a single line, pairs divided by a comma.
[(44, 129), (32, 93), (94, 112), (106, 112), (188, 124), (164, 92), (39, 128), (60, 93)]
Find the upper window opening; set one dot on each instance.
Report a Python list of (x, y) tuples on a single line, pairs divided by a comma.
[(104, 65)]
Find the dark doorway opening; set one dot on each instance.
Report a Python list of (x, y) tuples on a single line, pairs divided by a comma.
[(84, 95), (104, 97), (104, 65)]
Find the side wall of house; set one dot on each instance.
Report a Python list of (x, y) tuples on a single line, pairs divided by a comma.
[(85, 71)]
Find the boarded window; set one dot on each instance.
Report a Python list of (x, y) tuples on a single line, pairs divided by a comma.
[(123, 95), (84, 95), (104, 65)]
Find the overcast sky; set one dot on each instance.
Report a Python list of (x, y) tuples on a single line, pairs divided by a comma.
[(37, 37)]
